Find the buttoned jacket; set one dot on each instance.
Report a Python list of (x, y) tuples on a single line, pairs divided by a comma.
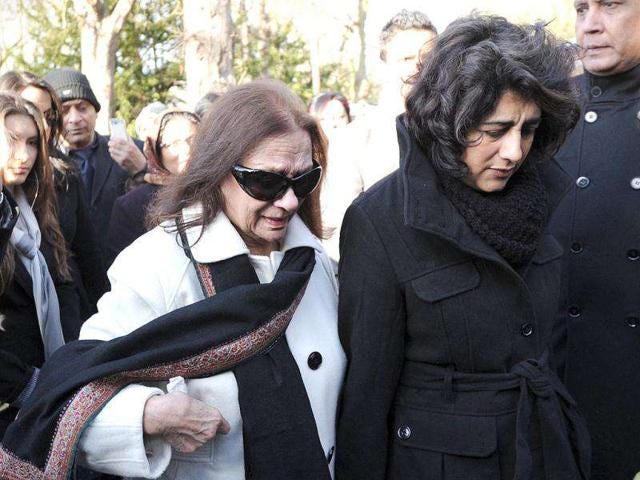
[(153, 276), (421, 292), (598, 224)]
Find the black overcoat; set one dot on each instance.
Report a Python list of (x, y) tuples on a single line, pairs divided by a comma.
[(108, 184), (86, 262), (598, 224), (446, 343), (8, 217), (128, 219)]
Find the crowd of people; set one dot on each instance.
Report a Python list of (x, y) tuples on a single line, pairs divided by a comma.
[(443, 287)]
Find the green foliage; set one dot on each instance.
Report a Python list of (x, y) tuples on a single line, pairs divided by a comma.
[(276, 52), (53, 33), (147, 61)]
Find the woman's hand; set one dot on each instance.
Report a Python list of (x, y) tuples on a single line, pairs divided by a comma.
[(185, 422)]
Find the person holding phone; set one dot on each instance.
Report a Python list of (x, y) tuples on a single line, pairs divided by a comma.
[(105, 164)]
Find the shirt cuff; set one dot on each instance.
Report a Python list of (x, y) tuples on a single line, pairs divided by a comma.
[(114, 442)]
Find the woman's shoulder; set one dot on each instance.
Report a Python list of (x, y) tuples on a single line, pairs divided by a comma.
[(157, 252)]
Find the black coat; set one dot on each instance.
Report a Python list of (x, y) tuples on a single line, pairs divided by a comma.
[(77, 300), (8, 217), (108, 184), (128, 219), (439, 331), (598, 224), (21, 346)]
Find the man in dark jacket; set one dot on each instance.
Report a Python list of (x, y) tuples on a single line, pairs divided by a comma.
[(598, 225), (105, 163)]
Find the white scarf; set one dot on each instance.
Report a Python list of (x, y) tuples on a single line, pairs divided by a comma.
[(25, 238)]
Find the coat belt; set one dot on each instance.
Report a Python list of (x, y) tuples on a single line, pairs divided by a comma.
[(564, 434)]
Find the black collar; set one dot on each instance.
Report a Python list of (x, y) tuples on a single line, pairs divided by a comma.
[(622, 86), (426, 207)]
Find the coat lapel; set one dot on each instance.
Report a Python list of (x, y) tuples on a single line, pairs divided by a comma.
[(427, 208), (102, 165)]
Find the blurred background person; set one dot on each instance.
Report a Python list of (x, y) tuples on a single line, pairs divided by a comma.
[(332, 110), (205, 103), (598, 225), (86, 264), (367, 150), (449, 286), (167, 152), (36, 259), (146, 122)]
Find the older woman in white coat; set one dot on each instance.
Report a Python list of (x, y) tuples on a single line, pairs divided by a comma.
[(209, 391)]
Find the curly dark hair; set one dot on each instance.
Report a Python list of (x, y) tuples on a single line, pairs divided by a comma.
[(474, 62), (401, 21)]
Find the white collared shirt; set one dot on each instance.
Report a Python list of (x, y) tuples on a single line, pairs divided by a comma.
[(153, 276)]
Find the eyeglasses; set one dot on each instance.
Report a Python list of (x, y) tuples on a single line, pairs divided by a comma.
[(178, 143), (269, 186)]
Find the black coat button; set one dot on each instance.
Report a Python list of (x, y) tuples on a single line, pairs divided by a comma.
[(596, 91), (633, 322), (526, 329), (404, 432), (576, 247), (314, 360), (583, 182), (574, 311), (633, 254)]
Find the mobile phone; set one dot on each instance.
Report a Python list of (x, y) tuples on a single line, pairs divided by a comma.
[(117, 128)]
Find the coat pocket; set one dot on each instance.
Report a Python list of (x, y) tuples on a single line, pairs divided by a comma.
[(204, 454), (549, 249), (446, 282), (443, 446)]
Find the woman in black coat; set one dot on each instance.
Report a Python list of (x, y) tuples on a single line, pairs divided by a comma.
[(77, 297), (167, 154), (35, 259), (448, 287)]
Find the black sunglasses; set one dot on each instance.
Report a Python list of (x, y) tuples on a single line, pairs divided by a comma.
[(269, 186)]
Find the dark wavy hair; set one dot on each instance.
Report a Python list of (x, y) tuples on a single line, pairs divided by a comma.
[(474, 62), (235, 126)]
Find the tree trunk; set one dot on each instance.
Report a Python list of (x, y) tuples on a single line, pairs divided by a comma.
[(208, 46), (361, 74), (98, 44)]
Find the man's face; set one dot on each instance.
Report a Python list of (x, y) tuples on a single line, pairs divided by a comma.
[(608, 31), (78, 122), (404, 51)]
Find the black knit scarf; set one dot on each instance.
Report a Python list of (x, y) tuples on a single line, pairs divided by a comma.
[(510, 221), (241, 327)]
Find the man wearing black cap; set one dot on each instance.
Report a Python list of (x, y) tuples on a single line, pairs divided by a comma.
[(598, 224), (105, 164)]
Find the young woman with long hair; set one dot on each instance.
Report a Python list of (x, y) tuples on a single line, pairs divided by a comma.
[(77, 300), (36, 256)]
